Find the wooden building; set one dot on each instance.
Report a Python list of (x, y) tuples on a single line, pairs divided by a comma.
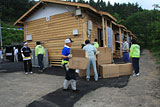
[(120, 32), (52, 21)]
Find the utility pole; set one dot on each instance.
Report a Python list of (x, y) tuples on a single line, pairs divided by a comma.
[(0, 28), (0, 35)]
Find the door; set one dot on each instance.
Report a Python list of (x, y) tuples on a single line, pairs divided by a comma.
[(100, 37)]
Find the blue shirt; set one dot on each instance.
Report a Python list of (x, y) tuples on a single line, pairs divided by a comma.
[(66, 52), (90, 49)]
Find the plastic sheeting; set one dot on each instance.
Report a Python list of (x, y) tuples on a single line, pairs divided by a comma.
[(117, 37), (122, 35), (109, 37)]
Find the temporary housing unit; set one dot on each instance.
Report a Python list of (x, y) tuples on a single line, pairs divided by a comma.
[(52, 21)]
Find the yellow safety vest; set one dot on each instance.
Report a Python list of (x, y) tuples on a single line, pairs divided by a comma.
[(65, 62), (96, 45)]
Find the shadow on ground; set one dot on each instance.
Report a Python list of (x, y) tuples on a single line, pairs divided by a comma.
[(11, 67), (60, 98)]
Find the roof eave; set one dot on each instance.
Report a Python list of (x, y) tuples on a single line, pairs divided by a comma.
[(122, 26), (65, 3), (107, 14)]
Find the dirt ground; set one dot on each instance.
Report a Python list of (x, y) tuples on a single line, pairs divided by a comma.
[(142, 91), (45, 89)]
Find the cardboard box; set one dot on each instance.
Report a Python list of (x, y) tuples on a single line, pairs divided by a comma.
[(109, 70), (82, 73), (79, 53), (104, 58), (78, 63), (104, 49), (125, 69)]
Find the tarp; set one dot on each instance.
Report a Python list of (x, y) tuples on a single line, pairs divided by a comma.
[(122, 35), (109, 37)]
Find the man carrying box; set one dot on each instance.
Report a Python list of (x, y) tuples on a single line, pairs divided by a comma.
[(91, 51), (70, 73)]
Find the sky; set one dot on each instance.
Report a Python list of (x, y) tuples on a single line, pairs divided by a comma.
[(145, 4)]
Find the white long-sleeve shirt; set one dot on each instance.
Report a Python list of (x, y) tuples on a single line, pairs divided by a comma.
[(90, 49)]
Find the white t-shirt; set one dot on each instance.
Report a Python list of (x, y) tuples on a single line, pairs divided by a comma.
[(15, 51)]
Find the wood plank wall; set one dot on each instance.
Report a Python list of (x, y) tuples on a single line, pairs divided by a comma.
[(53, 34), (96, 22)]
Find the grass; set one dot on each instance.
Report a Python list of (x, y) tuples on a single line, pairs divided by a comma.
[(157, 56)]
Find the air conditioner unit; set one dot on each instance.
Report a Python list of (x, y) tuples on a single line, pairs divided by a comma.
[(28, 37), (78, 12)]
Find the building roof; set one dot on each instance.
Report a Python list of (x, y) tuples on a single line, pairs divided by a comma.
[(130, 33), (119, 25), (122, 26), (43, 2), (125, 29)]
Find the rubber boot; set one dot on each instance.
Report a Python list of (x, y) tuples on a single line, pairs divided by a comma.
[(65, 85)]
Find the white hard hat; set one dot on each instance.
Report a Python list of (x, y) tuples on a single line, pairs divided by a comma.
[(68, 40)]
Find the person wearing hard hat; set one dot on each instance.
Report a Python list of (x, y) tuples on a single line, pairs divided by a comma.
[(135, 55), (40, 52), (26, 55), (70, 73), (91, 52)]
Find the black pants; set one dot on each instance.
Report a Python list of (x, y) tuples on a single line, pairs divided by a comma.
[(27, 65), (135, 62), (40, 61), (70, 74)]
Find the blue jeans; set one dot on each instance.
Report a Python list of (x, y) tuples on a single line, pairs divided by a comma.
[(40, 61), (135, 62), (93, 62), (126, 57)]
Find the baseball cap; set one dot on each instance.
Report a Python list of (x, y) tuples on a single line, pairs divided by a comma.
[(25, 43), (68, 40)]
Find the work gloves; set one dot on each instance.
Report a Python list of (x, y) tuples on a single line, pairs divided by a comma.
[(70, 56)]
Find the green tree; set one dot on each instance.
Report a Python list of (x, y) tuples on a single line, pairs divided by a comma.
[(92, 3), (11, 10), (142, 25), (119, 19), (10, 35)]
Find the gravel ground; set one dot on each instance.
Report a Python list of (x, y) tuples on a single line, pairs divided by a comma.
[(142, 91), (45, 89)]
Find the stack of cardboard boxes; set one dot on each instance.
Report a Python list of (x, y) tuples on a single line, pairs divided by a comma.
[(105, 68)]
